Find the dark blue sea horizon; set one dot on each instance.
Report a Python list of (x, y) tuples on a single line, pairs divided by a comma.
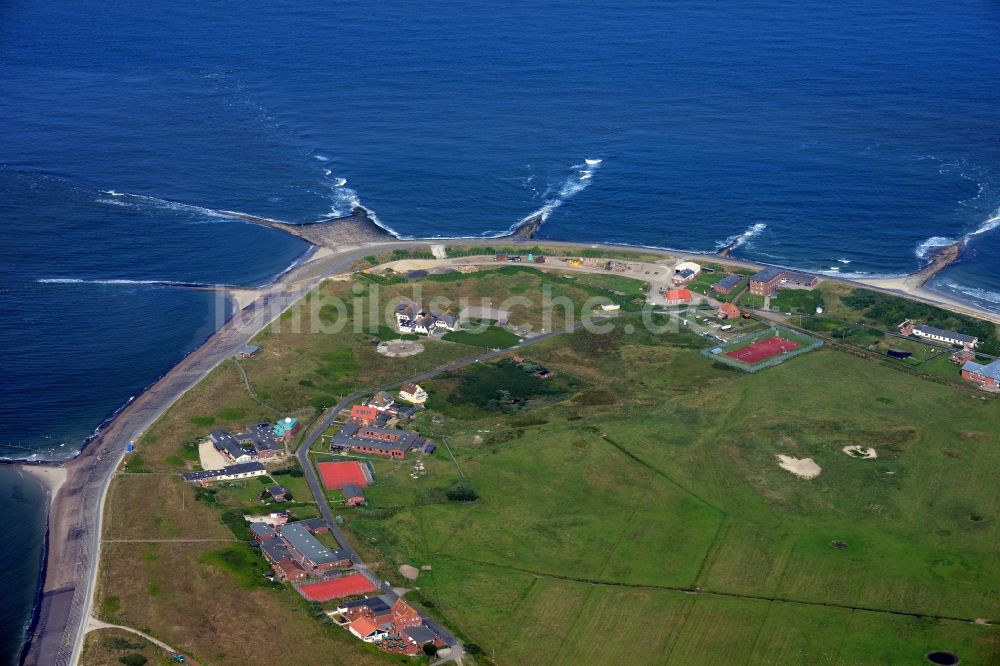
[(848, 139)]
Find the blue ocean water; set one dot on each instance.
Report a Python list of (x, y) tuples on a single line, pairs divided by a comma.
[(845, 137)]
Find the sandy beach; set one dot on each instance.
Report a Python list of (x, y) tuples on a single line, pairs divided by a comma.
[(53, 478), (904, 286)]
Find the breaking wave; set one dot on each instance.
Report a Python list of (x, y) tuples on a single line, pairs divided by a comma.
[(122, 281), (989, 224), (924, 250), (343, 200), (973, 292), (572, 185), (125, 199), (737, 240)]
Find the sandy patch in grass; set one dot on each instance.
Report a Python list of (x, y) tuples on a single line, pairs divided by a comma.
[(399, 348), (865, 453), (209, 456), (408, 572), (804, 468)]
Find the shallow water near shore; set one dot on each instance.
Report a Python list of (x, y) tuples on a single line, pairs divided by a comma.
[(845, 139), (22, 512)]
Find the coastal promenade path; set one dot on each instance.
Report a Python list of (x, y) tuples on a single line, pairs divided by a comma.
[(75, 514)]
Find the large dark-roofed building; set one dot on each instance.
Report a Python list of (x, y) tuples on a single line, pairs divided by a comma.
[(309, 550), (763, 282), (727, 284)]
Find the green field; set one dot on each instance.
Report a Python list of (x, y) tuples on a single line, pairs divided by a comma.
[(491, 336), (630, 508), (658, 519)]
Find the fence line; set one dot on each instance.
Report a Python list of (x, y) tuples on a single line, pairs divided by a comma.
[(717, 353)]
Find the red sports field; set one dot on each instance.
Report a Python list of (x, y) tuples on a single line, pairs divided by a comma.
[(763, 350), (336, 475), (346, 586)]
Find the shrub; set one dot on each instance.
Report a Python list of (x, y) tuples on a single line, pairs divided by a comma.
[(119, 643), (462, 493), (134, 659)]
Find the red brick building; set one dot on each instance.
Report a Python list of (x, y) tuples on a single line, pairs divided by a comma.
[(405, 615), (764, 282), (987, 376), (363, 414)]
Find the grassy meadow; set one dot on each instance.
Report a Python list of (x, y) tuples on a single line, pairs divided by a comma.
[(628, 509), (648, 509)]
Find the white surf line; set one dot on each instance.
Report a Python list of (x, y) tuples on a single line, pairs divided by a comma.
[(737, 240), (344, 199), (121, 282), (576, 182), (989, 224)]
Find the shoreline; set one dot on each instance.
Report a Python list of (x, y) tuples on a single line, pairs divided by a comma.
[(94, 478)]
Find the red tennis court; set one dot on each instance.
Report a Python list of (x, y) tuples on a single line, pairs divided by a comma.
[(334, 588), (763, 350), (336, 475)]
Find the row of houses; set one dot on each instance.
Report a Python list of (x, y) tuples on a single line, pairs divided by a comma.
[(768, 280), (294, 552), (411, 318)]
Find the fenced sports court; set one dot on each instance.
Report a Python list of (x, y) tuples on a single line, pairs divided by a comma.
[(763, 349)]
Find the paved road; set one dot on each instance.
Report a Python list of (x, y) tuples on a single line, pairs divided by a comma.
[(302, 454), (75, 514), (316, 486)]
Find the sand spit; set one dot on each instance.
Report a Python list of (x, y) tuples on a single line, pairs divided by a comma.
[(51, 477), (805, 468)]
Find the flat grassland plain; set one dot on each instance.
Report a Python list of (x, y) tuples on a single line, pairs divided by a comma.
[(629, 508)]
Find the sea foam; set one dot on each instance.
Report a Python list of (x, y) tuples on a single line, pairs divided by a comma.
[(573, 184), (737, 240)]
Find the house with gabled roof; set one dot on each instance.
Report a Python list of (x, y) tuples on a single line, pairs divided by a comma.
[(987, 376), (381, 401), (230, 447), (366, 629), (411, 392)]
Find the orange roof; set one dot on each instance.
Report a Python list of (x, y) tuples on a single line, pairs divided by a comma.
[(729, 310), (678, 294), (364, 626), (403, 613), (364, 413)]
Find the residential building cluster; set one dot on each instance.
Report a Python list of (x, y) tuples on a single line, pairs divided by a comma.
[(411, 318), (391, 624), (243, 452), (369, 428)]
